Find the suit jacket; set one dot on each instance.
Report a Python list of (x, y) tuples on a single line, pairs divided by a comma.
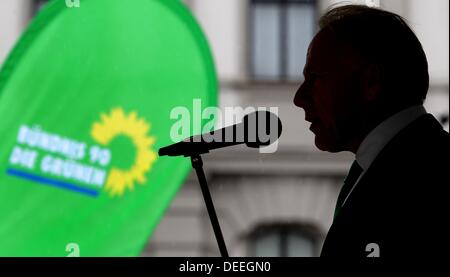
[(399, 207)]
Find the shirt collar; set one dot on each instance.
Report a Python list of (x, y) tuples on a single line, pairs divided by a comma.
[(384, 132)]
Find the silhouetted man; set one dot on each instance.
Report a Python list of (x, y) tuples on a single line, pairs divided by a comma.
[(366, 78)]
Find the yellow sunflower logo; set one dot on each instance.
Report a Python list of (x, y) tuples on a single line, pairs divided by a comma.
[(118, 123)]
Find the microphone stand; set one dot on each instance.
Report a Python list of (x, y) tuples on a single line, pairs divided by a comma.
[(187, 149), (197, 164)]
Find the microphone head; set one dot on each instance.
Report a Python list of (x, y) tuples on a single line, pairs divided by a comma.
[(164, 151), (258, 129)]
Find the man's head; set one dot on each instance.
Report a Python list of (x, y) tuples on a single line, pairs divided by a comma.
[(364, 65)]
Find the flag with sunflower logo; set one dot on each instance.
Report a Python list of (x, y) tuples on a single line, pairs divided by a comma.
[(85, 102)]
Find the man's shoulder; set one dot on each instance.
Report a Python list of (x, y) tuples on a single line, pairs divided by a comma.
[(425, 129), (411, 169), (400, 198), (419, 144)]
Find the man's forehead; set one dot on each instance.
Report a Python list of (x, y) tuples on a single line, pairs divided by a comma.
[(325, 51), (323, 43)]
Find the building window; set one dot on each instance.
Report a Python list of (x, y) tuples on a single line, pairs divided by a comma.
[(284, 240), (281, 31)]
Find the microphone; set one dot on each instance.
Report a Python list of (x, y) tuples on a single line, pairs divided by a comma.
[(258, 129)]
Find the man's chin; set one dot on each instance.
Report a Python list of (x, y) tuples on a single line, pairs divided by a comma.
[(325, 145)]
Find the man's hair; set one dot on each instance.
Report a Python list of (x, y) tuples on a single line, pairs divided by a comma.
[(385, 39)]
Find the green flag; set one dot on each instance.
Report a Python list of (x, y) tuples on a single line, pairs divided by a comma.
[(85, 102)]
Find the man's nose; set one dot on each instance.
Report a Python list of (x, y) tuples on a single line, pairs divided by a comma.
[(300, 96)]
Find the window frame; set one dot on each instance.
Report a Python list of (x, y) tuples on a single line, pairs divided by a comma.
[(283, 76), (282, 231)]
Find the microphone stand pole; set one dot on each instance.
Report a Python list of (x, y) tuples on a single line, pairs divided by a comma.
[(197, 164)]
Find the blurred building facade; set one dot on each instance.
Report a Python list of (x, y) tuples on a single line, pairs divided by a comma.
[(278, 204)]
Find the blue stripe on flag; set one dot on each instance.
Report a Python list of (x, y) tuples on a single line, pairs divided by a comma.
[(51, 182)]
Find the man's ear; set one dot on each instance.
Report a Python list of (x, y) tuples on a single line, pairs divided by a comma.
[(374, 80)]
